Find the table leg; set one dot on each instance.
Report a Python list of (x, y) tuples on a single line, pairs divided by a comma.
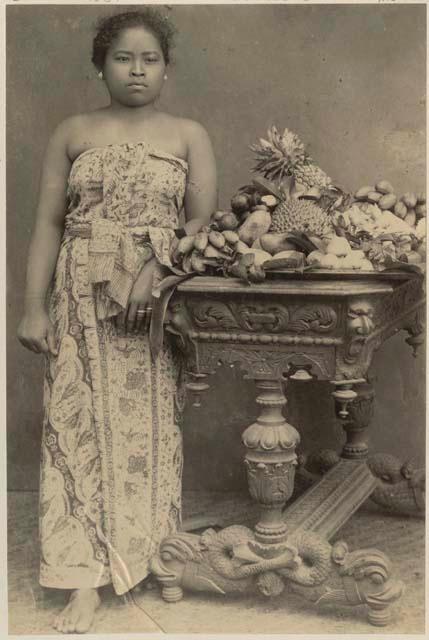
[(399, 487), (270, 461)]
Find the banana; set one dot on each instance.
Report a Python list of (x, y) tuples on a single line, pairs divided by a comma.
[(217, 239), (230, 236), (211, 252), (201, 241), (197, 263), (186, 244)]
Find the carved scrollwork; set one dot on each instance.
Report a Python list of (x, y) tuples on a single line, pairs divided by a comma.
[(263, 317), (213, 315), (258, 317), (261, 362), (321, 319)]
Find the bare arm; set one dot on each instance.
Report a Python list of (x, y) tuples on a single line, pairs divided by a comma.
[(201, 192), (46, 236), (45, 240)]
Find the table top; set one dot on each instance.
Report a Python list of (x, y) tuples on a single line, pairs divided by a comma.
[(290, 282)]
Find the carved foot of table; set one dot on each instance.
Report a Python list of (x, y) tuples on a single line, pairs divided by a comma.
[(234, 561)]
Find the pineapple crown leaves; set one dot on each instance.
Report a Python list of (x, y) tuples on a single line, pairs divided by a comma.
[(284, 155)]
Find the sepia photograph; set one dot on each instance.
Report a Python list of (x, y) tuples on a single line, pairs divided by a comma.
[(216, 367)]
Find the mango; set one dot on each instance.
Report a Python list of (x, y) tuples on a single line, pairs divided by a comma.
[(329, 261), (366, 265), (387, 202), (275, 242), (314, 258), (338, 246), (254, 226), (260, 256)]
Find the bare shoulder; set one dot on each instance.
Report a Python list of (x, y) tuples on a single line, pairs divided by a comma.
[(193, 131), (76, 132), (68, 130)]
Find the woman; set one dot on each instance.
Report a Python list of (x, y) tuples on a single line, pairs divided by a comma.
[(113, 183)]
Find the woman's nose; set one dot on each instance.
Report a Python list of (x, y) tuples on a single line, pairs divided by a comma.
[(137, 69)]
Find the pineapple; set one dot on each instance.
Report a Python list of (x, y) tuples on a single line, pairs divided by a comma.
[(303, 216), (285, 155)]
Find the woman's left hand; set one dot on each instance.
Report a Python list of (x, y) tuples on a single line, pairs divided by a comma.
[(136, 317)]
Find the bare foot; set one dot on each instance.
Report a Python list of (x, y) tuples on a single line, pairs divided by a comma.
[(78, 615)]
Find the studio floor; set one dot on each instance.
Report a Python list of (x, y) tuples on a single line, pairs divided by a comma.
[(32, 608)]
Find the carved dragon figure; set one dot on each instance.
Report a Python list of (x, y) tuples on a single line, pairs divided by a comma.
[(232, 560)]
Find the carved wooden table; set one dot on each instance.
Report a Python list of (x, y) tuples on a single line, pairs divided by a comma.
[(320, 326)]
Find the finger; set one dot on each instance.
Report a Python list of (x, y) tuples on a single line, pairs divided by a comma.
[(120, 321), (139, 320), (131, 316), (147, 318), (52, 342), (32, 346), (43, 345)]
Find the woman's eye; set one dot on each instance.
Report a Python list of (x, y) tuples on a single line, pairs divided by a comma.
[(151, 60), (122, 58)]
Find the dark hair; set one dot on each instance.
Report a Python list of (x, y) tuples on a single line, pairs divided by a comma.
[(109, 28)]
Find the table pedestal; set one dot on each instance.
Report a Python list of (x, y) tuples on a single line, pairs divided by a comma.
[(287, 547)]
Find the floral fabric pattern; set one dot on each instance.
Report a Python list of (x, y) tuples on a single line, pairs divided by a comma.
[(111, 458)]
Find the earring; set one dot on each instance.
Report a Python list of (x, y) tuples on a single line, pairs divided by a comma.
[(100, 75), (165, 77)]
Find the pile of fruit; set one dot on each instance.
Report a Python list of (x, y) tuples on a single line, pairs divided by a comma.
[(292, 216)]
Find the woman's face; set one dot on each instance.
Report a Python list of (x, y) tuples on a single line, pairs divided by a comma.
[(134, 68)]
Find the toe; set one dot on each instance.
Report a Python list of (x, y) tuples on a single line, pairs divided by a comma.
[(84, 623)]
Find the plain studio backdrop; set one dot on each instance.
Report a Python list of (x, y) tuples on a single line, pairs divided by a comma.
[(349, 79)]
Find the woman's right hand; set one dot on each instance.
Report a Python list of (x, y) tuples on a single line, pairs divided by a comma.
[(36, 332)]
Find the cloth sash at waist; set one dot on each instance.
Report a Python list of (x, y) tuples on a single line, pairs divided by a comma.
[(116, 255)]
